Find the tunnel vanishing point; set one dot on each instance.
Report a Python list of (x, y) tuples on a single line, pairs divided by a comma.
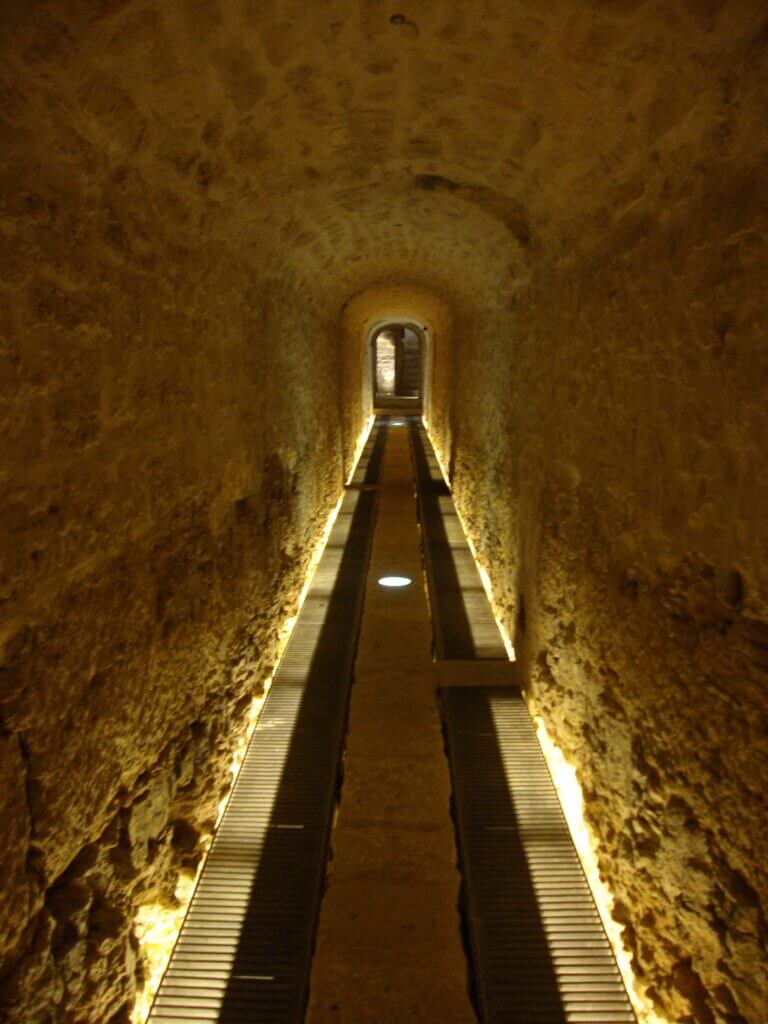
[(232, 230)]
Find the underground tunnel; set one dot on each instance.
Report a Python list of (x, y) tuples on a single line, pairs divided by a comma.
[(295, 297)]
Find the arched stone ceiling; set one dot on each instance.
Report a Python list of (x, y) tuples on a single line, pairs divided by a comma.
[(345, 143)]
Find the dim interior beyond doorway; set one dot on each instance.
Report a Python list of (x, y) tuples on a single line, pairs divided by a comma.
[(397, 358)]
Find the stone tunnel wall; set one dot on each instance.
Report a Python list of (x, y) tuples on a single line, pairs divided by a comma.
[(605, 428), (171, 447)]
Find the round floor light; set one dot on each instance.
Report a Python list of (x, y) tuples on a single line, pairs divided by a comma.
[(395, 581)]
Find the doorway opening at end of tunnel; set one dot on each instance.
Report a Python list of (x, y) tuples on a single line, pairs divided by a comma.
[(397, 365)]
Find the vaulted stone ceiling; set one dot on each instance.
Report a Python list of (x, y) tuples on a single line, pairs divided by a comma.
[(344, 143)]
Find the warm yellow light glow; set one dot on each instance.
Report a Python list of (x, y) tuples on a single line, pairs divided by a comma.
[(157, 925), (569, 792), (238, 754), (566, 782), (360, 444), (484, 575)]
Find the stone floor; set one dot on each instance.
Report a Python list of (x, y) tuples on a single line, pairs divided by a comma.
[(389, 946)]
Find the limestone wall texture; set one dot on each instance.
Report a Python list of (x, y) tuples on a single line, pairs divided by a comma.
[(173, 451), (171, 447), (606, 429), (204, 206)]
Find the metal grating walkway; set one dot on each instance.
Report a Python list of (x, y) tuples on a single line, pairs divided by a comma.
[(366, 472), (462, 621), (245, 949), (539, 951)]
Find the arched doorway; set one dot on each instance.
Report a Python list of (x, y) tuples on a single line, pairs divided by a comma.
[(397, 366)]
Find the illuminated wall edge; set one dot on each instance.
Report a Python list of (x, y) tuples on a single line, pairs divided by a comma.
[(157, 925), (565, 778)]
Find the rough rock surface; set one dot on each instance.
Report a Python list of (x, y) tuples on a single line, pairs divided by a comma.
[(171, 448), (204, 206), (605, 437)]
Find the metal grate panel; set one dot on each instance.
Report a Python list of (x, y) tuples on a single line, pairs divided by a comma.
[(244, 951), (369, 464), (462, 620), (539, 950)]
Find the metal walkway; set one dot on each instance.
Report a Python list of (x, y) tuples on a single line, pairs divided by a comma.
[(245, 949), (539, 954), (462, 621), (538, 948)]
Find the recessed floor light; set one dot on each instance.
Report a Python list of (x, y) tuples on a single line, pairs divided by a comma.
[(395, 581)]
